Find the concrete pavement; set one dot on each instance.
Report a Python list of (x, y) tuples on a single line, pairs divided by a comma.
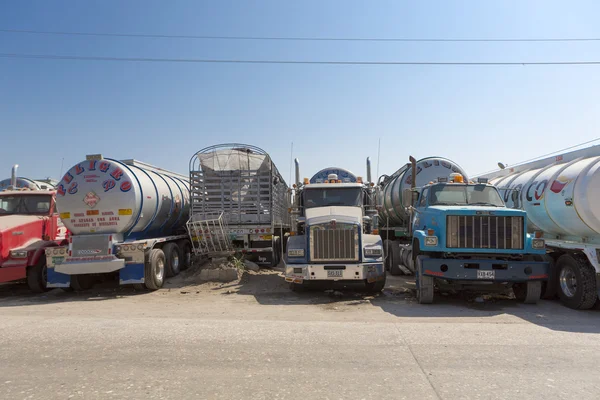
[(257, 340)]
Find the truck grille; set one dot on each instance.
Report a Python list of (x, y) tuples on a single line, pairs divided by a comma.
[(484, 232), (339, 243)]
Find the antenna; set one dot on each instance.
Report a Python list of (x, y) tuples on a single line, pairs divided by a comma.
[(61, 168), (291, 161), (378, 153)]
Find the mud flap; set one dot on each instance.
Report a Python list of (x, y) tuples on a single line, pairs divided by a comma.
[(57, 280), (132, 273)]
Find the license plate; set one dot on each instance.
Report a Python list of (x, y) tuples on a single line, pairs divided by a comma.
[(486, 274), (334, 273)]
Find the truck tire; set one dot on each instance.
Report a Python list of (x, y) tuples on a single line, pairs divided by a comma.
[(528, 292), (375, 287), (37, 276), (276, 253), (185, 253), (395, 260), (83, 282), (550, 287), (154, 270), (387, 248), (425, 284), (173, 258), (576, 282)]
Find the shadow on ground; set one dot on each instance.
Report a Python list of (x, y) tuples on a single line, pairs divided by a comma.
[(398, 299)]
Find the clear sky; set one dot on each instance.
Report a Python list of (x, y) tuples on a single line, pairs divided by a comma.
[(161, 113)]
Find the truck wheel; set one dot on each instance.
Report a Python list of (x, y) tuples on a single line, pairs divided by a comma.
[(576, 282), (528, 292), (185, 250), (154, 269), (395, 260), (79, 283), (424, 284), (387, 249), (375, 287), (173, 258), (37, 276)]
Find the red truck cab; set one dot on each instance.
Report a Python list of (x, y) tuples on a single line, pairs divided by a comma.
[(29, 223)]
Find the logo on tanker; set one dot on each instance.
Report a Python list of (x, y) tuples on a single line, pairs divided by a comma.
[(68, 185), (91, 199), (559, 184), (435, 163)]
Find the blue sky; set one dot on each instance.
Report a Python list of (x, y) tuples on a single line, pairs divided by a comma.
[(161, 113)]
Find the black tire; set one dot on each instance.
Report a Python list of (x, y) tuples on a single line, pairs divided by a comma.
[(528, 292), (425, 284), (83, 282), (276, 253), (37, 276), (375, 287), (185, 253), (387, 247), (155, 269), (550, 287), (173, 257), (395, 260), (576, 282)]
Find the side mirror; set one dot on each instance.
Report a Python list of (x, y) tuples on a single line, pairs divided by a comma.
[(409, 198), (415, 198)]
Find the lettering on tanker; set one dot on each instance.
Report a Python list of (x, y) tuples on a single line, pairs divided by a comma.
[(67, 185)]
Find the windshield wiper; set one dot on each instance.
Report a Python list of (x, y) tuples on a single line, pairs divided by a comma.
[(483, 203), (448, 204)]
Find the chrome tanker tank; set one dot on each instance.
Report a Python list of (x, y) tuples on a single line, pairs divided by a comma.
[(122, 197), (428, 169), (560, 199)]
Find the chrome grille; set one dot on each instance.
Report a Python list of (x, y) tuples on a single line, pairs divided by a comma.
[(484, 232), (339, 243)]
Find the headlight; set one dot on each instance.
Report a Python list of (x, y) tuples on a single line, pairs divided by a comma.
[(373, 252), (140, 246), (538, 244), (18, 253), (296, 252), (431, 240)]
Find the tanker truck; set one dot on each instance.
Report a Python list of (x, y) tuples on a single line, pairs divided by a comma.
[(334, 238), (125, 217), (560, 195), (455, 234), (239, 186), (29, 224)]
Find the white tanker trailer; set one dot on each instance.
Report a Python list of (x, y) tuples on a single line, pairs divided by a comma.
[(560, 195), (124, 216)]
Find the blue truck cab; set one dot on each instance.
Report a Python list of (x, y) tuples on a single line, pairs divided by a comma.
[(463, 236)]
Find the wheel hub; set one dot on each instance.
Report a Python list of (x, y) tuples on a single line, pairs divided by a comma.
[(568, 282)]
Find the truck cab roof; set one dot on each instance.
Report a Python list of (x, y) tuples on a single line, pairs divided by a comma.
[(332, 185)]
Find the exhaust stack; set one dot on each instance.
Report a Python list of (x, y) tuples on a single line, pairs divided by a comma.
[(369, 170), (13, 176), (297, 171)]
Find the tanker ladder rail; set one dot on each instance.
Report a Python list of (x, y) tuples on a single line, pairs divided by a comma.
[(209, 237)]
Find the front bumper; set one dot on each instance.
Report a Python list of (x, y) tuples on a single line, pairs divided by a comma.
[(481, 270), (299, 273)]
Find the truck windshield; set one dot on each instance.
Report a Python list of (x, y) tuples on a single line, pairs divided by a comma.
[(332, 197), (24, 204), (453, 194)]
